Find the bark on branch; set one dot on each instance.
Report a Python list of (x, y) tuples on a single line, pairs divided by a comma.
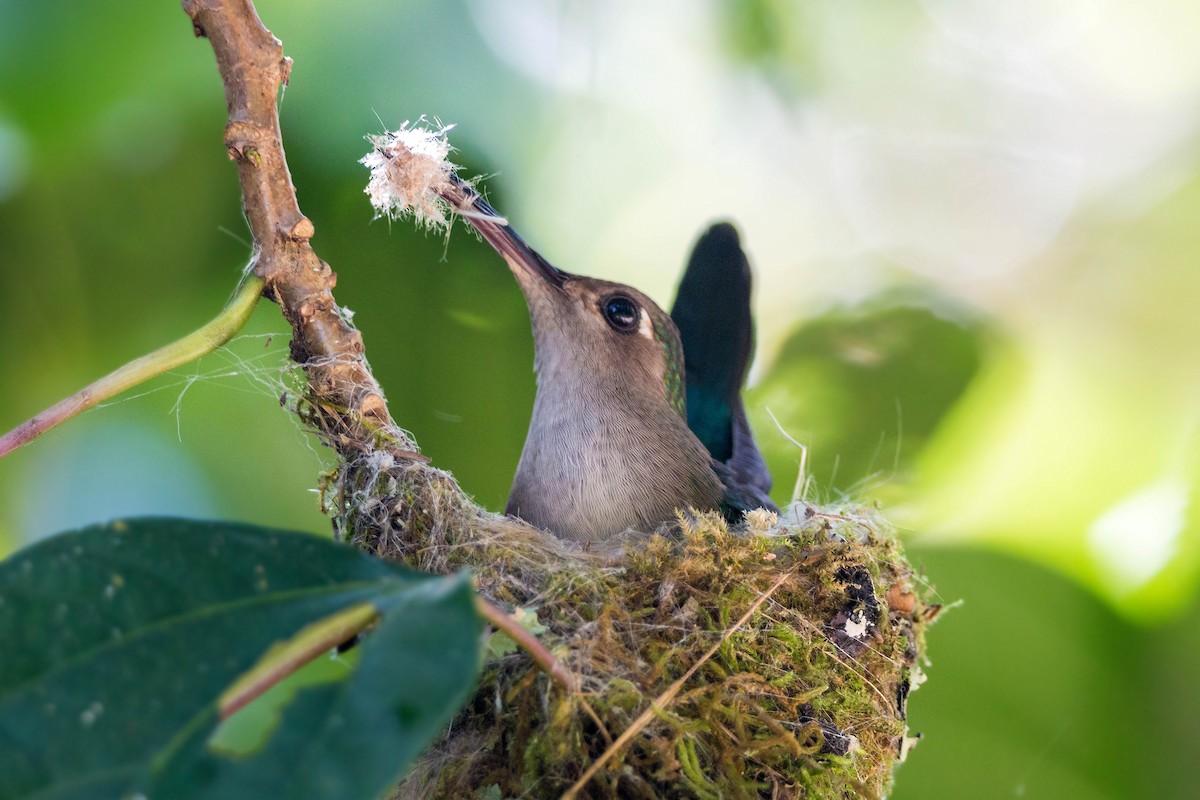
[(348, 402)]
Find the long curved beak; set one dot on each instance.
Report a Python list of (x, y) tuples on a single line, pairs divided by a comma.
[(496, 231)]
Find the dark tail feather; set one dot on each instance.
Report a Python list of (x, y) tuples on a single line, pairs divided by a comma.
[(712, 312)]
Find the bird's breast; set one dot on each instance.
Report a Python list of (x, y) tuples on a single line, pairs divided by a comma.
[(588, 473)]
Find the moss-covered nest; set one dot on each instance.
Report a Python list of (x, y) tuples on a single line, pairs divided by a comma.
[(797, 639)]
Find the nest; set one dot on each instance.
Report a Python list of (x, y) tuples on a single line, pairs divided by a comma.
[(799, 639)]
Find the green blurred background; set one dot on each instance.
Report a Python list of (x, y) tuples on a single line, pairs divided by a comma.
[(974, 229)]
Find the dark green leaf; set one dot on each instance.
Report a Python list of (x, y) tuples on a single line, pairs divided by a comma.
[(116, 637), (354, 738)]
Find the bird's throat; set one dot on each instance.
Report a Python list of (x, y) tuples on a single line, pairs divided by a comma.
[(595, 466)]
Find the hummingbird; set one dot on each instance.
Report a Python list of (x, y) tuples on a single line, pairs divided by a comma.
[(637, 413)]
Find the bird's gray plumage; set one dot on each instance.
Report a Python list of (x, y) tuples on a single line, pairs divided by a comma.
[(609, 447)]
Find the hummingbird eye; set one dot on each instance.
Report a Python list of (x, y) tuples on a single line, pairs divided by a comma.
[(621, 313)]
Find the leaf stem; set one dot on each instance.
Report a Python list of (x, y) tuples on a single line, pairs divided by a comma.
[(317, 638), (527, 642), (198, 343)]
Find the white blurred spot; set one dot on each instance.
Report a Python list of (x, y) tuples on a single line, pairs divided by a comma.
[(1017, 29), (1137, 537), (91, 714), (541, 38), (953, 207)]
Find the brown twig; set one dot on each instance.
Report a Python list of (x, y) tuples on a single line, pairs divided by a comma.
[(351, 405)]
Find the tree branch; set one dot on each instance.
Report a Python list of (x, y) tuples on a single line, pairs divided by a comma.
[(350, 405)]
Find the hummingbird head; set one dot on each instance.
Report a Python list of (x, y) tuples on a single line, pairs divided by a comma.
[(591, 333), (609, 448)]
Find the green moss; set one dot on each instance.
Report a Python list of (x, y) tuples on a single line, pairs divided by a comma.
[(803, 700)]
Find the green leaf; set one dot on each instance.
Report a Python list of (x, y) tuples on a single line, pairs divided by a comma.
[(350, 739), (500, 644), (864, 388), (245, 731), (117, 637)]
